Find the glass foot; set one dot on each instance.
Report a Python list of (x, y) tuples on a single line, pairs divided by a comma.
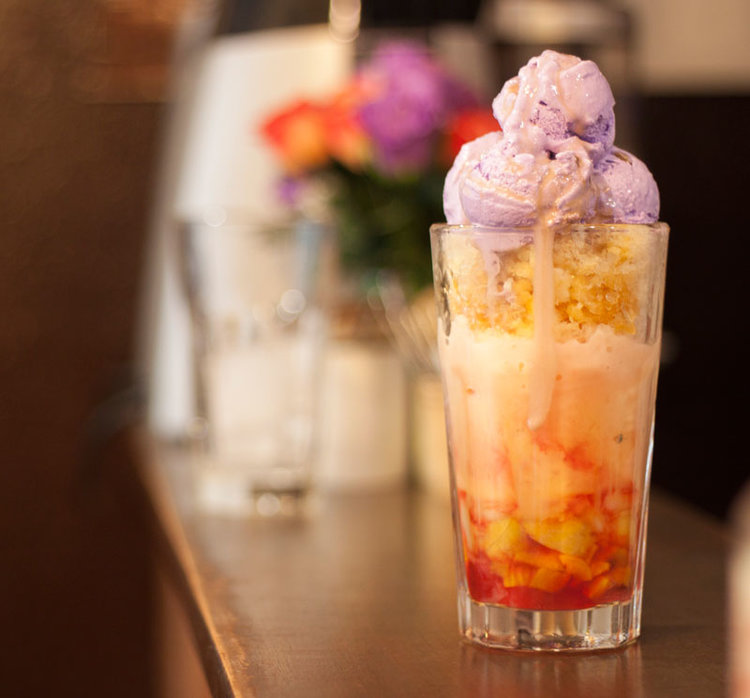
[(603, 627), (240, 492)]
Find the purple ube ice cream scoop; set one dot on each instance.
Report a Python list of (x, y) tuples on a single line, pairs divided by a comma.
[(628, 192), (554, 161)]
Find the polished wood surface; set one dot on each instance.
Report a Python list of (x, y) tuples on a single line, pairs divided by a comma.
[(358, 599)]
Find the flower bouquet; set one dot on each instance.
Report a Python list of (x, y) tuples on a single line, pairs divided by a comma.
[(375, 155)]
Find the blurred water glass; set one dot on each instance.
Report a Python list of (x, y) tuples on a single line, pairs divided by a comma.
[(258, 332)]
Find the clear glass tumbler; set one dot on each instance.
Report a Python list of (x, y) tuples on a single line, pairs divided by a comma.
[(549, 348), (258, 332)]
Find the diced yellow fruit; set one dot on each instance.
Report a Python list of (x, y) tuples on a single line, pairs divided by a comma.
[(622, 529), (619, 557), (570, 537), (501, 566), (578, 568), (599, 567), (620, 576), (544, 559), (612, 554), (503, 537), (518, 575), (549, 580), (597, 586)]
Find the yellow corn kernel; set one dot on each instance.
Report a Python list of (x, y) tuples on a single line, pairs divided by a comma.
[(619, 557), (570, 537), (600, 567), (544, 559), (518, 575), (612, 554), (503, 537), (597, 586), (549, 580), (621, 576), (578, 568), (501, 566)]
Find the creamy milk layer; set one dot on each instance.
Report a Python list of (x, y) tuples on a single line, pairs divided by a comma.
[(549, 516), (596, 435)]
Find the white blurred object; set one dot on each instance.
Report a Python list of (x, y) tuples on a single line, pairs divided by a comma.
[(242, 79), (214, 161), (429, 444), (259, 332), (363, 439)]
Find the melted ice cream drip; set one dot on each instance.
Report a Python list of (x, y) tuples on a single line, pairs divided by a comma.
[(544, 366)]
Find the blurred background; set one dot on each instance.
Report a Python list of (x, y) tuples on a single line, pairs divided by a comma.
[(91, 93)]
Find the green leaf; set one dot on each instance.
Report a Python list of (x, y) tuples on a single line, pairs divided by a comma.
[(384, 223)]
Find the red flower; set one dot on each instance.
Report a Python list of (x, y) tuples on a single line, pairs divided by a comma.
[(307, 135), (465, 126)]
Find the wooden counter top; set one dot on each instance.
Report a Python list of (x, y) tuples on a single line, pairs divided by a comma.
[(358, 599)]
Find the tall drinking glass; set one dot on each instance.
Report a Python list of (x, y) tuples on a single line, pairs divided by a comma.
[(258, 331), (549, 348)]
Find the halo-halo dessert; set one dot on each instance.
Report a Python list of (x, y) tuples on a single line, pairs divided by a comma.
[(549, 278)]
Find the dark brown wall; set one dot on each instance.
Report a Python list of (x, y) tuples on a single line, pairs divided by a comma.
[(698, 152), (75, 181)]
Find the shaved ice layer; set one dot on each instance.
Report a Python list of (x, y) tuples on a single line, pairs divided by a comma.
[(597, 281)]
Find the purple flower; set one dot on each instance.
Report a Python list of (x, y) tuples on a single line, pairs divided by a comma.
[(414, 98), (289, 191)]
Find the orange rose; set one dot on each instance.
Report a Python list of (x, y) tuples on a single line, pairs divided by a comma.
[(298, 135), (347, 141)]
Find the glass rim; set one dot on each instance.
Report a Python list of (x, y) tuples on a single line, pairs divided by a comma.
[(221, 217), (659, 227), (237, 227)]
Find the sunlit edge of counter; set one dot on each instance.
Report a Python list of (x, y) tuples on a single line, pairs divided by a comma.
[(176, 573)]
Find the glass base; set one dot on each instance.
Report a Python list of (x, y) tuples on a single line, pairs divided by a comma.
[(236, 492), (608, 626)]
